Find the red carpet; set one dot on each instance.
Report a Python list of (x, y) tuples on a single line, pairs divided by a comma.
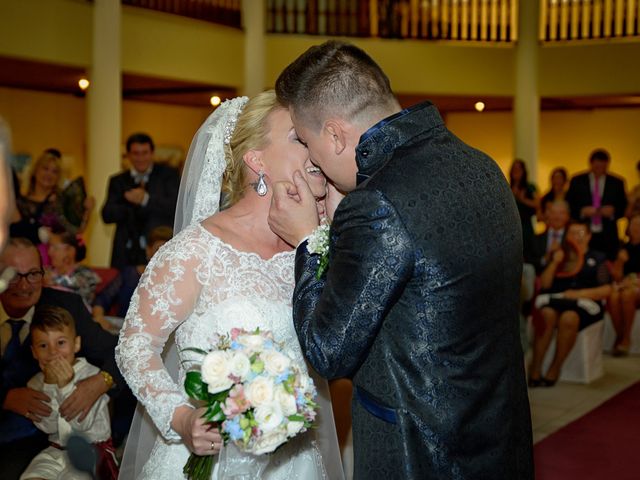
[(602, 445)]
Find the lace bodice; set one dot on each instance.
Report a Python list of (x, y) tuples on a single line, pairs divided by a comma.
[(197, 285)]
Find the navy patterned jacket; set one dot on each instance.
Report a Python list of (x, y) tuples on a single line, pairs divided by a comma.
[(419, 307)]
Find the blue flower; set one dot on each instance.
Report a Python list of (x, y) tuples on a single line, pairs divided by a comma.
[(283, 376), (235, 345), (232, 426)]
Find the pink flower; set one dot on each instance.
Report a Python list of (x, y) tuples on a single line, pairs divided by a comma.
[(236, 402), (235, 332)]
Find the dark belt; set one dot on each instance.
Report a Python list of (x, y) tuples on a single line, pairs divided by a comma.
[(375, 408)]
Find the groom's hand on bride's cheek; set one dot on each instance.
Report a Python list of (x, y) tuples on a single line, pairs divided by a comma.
[(293, 215)]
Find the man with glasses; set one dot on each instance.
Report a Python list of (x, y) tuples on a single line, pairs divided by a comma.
[(20, 440)]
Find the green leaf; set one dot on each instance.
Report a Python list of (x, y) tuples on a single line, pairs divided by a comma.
[(195, 387), (296, 418)]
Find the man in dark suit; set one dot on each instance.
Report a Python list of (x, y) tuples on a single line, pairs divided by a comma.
[(20, 440), (139, 200), (544, 244), (419, 305), (600, 199)]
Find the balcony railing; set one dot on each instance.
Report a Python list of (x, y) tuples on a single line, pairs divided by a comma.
[(471, 20), (467, 20), (224, 12), (589, 19)]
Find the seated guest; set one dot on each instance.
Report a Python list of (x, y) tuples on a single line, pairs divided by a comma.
[(54, 344), (599, 198), (42, 203), (20, 440), (65, 251), (558, 180), (544, 244), (118, 293), (625, 294), (575, 282)]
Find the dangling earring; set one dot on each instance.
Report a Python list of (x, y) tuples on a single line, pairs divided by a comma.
[(261, 186)]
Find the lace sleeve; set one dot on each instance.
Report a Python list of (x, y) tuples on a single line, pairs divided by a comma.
[(164, 298)]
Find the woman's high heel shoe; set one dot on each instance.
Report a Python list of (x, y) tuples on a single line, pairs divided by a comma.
[(546, 382)]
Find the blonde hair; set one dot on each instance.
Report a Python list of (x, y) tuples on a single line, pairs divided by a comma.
[(250, 133), (46, 157)]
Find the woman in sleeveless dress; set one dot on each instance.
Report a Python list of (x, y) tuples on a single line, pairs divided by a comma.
[(224, 269)]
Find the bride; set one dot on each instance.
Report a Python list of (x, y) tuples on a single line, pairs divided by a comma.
[(223, 269)]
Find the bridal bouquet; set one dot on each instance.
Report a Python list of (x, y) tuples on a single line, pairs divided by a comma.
[(254, 391)]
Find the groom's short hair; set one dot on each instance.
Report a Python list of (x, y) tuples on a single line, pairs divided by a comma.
[(335, 78)]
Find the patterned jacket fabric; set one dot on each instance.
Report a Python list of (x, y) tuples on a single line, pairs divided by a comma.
[(419, 307)]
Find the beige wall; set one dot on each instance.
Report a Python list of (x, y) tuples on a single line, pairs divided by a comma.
[(153, 43), (416, 66), (566, 139), (41, 120)]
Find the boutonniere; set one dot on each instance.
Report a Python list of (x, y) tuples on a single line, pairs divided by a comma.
[(318, 244)]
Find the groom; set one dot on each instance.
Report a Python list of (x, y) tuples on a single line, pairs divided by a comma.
[(419, 305)]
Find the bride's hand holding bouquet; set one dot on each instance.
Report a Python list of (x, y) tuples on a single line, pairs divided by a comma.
[(255, 393)]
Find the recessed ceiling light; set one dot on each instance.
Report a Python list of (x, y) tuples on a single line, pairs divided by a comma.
[(215, 100), (83, 83), (479, 106)]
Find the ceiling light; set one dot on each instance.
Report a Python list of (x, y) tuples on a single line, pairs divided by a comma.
[(83, 83), (479, 106), (215, 100)]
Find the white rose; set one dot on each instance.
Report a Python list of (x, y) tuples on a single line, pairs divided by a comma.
[(275, 363), (269, 417), (260, 391), (286, 401), (239, 365), (293, 428), (215, 371), (269, 442), (253, 343)]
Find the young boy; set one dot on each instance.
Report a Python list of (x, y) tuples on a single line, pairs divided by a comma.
[(54, 344)]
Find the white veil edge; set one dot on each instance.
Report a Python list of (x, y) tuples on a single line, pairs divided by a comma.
[(199, 198)]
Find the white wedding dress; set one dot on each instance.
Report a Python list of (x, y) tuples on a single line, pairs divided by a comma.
[(198, 285)]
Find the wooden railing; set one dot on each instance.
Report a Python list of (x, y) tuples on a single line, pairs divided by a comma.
[(224, 12), (589, 19), (471, 20)]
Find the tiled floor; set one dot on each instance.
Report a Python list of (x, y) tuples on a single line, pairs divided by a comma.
[(553, 408)]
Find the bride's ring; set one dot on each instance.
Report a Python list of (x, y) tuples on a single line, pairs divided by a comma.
[(28, 415), (213, 446)]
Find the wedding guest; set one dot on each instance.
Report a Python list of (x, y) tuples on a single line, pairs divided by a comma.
[(558, 190), (599, 198), (66, 250), (41, 204), (633, 206), (546, 243), (527, 201), (54, 344), (138, 200), (625, 294), (20, 440), (571, 301)]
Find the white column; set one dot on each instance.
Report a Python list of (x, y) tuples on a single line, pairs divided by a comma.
[(526, 102), (253, 18), (104, 112)]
